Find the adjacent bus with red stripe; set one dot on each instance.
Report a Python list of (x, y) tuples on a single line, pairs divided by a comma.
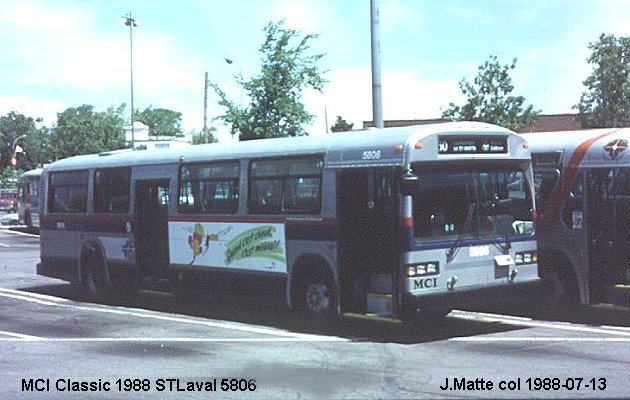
[(583, 198)]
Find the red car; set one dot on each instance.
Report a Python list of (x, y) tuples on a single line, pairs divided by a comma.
[(8, 200)]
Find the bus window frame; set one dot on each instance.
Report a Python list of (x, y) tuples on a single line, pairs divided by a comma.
[(282, 179), (78, 185), (235, 180), (97, 196)]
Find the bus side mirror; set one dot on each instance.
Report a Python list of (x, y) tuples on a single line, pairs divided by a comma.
[(409, 183)]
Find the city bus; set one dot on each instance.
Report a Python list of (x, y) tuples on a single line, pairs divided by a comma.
[(582, 183), (398, 223), (28, 198)]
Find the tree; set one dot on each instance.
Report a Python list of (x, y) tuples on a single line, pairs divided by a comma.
[(18, 129), (201, 137), (9, 178), (81, 130), (606, 102), (161, 121), (287, 70), (489, 99), (341, 125), (37, 149)]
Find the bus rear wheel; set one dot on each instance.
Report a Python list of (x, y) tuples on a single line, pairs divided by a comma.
[(94, 282)]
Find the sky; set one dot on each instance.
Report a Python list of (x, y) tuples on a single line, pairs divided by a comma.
[(57, 54)]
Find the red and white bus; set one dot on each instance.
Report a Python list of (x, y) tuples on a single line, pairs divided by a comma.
[(28, 198), (397, 223), (583, 199)]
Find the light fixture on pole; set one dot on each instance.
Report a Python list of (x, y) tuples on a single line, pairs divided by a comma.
[(15, 149), (131, 23)]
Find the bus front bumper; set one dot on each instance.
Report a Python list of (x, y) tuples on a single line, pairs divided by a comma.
[(417, 305)]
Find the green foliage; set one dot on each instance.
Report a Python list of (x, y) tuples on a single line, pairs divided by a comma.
[(341, 125), (37, 150), (606, 102), (161, 121), (9, 178), (32, 140), (81, 130), (489, 99), (287, 70), (201, 137)]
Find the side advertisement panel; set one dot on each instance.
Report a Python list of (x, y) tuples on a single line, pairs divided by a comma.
[(238, 245)]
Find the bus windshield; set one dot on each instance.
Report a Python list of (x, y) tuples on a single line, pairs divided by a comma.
[(483, 201)]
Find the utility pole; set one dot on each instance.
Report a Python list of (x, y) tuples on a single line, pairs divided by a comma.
[(131, 23), (377, 100)]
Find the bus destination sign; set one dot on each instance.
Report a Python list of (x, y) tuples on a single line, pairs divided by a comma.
[(467, 145)]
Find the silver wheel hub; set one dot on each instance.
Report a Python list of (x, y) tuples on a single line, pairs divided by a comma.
[(317, 299)]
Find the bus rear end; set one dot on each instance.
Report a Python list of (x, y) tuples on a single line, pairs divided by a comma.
[(468, 222)]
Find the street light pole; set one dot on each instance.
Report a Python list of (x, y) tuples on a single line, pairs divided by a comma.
[(131, 23), (377, 100)]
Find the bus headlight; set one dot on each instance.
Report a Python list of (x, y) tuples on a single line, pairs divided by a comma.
[(423, 269), (525, 257)]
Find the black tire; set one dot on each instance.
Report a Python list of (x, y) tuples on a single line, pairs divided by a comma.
[(315, 295), (93, 280), (560, 288), (28, 221)]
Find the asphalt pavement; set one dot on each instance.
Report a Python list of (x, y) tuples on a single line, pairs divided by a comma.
[(53, 345)]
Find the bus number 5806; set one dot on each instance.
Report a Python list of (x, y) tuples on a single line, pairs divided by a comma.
[(372, 155)]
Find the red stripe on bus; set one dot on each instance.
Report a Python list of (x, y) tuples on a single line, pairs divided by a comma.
[(559, 196), (86, 218), (406, 222)]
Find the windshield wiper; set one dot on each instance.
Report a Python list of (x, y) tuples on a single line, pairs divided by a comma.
[(450, 253), (503, 245)]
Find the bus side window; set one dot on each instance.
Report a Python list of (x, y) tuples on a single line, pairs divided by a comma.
[(286, 185), (621, 183), (266, 195), (111, 190), (209, 188), (68, 192)]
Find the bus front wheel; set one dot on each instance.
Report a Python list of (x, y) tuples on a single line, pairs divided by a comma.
[(318, 298), (315, 296), (561, 289), (28, 221)]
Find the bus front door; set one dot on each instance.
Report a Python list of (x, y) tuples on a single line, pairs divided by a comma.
[(367, 206), (152, 232)]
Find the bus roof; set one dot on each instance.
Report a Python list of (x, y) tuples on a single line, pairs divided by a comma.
[(339, 147), (32, 173), (591, 147)]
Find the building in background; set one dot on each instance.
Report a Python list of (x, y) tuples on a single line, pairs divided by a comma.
[(544, 123), (144, 141)]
